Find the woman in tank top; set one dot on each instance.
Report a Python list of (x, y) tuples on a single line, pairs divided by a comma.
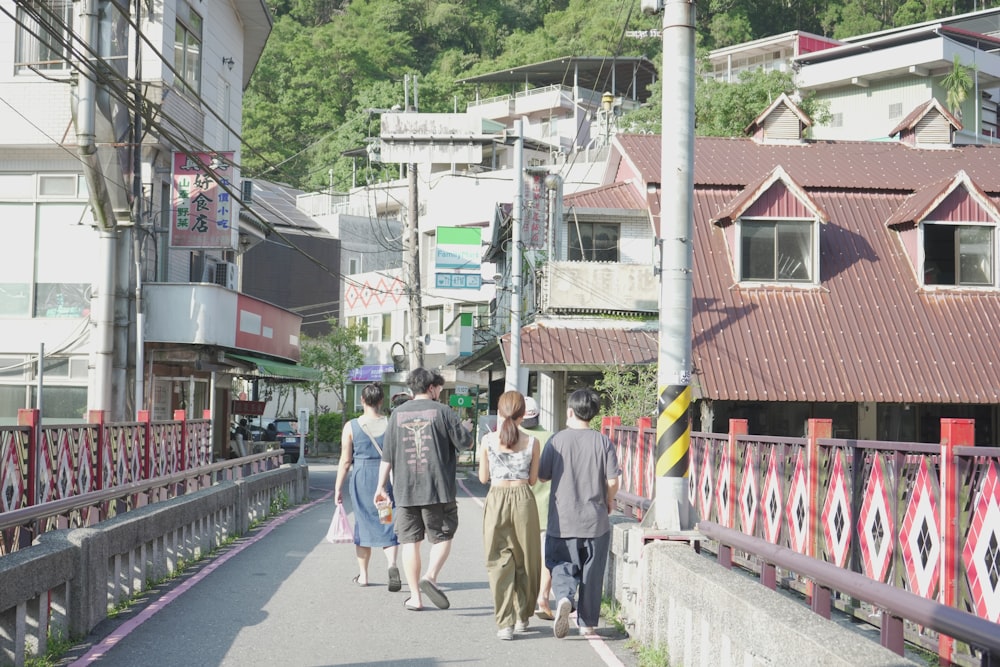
[(511, 538)]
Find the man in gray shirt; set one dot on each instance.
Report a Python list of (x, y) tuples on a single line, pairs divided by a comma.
[(583, 466), (422, 441)]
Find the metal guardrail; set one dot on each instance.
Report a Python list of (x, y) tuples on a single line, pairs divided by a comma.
[(896, 604)]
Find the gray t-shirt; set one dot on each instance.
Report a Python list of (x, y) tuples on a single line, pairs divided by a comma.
[(579, 462), (422, 441)]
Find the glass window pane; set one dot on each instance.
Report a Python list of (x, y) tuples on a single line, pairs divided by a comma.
[(757, 251), (16, 186), (939, 254), (386, 327), (17, 223), (57, 186), (794, 251), (65, 404), (12, 399), (56, 367), (606, 243), (12, 367), (63, 288), (975, 247)]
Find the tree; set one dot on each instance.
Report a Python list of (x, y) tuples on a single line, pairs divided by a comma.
[(336, 354), (629, 391), (957, 85), (725, 109)]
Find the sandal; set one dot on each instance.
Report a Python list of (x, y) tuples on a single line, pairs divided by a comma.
[(395, 584), (545, 614), (409, 607), (357, 580)]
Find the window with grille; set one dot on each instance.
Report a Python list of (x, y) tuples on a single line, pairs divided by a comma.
[(45, 27), (960, 255), (187, 48)]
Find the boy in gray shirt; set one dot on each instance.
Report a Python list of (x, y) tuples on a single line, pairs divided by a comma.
[(583, 466)]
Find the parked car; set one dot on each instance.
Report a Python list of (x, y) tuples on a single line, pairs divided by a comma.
[(287, 437)]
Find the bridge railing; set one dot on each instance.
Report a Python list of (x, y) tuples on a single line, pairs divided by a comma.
[(41, 464), (66, 581), (917, 516)]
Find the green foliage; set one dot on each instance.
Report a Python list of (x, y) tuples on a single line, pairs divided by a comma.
[(725, 109), (629, 392), (327, 62), (57, 647), (957, 85), (279, 502), (330, 427), (336, 354)]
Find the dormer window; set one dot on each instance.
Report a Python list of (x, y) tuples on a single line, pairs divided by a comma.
[(776, 250), (958, 255)]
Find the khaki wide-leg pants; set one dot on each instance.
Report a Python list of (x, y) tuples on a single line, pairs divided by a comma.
[(511, 541)]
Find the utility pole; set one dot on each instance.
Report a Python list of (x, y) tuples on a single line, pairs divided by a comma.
[(411, 263), (411, 247), (673, 429), (512, 380)]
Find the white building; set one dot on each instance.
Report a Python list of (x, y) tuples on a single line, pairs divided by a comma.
[(569, 110), (873, 81), (92, 206)]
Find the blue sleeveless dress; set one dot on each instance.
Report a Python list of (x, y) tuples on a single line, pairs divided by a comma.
[(368, 530)]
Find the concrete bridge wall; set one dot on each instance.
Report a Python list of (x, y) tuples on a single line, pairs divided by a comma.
[(74, 577), (703, 614)]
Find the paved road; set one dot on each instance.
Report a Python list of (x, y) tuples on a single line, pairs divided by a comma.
[(284, 596)]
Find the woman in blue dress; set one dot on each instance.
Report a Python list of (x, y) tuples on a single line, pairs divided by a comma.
[(360, 454)]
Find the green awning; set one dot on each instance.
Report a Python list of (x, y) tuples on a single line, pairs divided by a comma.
[(279, 370)]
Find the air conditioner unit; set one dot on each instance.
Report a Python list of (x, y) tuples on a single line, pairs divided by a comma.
[(225, 274)]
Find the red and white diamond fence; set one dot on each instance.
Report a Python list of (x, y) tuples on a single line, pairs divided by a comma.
[(875, 528), (919, 537), (837, 513), (982, 548)]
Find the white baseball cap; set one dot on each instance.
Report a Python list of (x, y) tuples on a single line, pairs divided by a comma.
[(530, 407)]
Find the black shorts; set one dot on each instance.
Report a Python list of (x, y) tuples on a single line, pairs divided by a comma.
[(437, 522)]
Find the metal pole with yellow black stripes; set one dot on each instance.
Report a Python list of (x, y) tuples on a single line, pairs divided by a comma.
[(673, 430)]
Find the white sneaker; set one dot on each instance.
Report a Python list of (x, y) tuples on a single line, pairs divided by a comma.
[(505, 633), (561, 624), (584, 630), (520, 627)]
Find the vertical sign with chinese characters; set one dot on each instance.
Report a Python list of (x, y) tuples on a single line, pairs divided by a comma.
[(536, 211), (203, 212)]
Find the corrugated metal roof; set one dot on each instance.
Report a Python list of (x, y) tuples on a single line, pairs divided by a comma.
[(868, 331), (914, 117), (545, 345), (613, 196), (860, 165)]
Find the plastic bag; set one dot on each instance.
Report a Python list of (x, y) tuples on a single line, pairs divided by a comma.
[(340, 531)]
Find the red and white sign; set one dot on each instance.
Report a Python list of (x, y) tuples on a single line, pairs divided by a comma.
[(203, 214)]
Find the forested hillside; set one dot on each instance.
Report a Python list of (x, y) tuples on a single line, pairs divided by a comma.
[(328, 63)]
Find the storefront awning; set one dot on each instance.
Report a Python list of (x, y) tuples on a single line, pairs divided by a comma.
[(277, 370)]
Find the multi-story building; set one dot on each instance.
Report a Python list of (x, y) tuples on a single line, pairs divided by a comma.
[(871, 82), (120, 190), (568, 110)]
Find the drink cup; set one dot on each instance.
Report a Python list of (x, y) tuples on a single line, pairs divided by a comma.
[(384, 511)]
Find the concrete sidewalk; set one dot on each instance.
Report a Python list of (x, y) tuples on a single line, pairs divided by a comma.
[(284, 596)]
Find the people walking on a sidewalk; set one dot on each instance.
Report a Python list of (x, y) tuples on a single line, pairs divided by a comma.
[(360, 455), (583, 466), (422, 442), (511, 536), (540, 490)]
